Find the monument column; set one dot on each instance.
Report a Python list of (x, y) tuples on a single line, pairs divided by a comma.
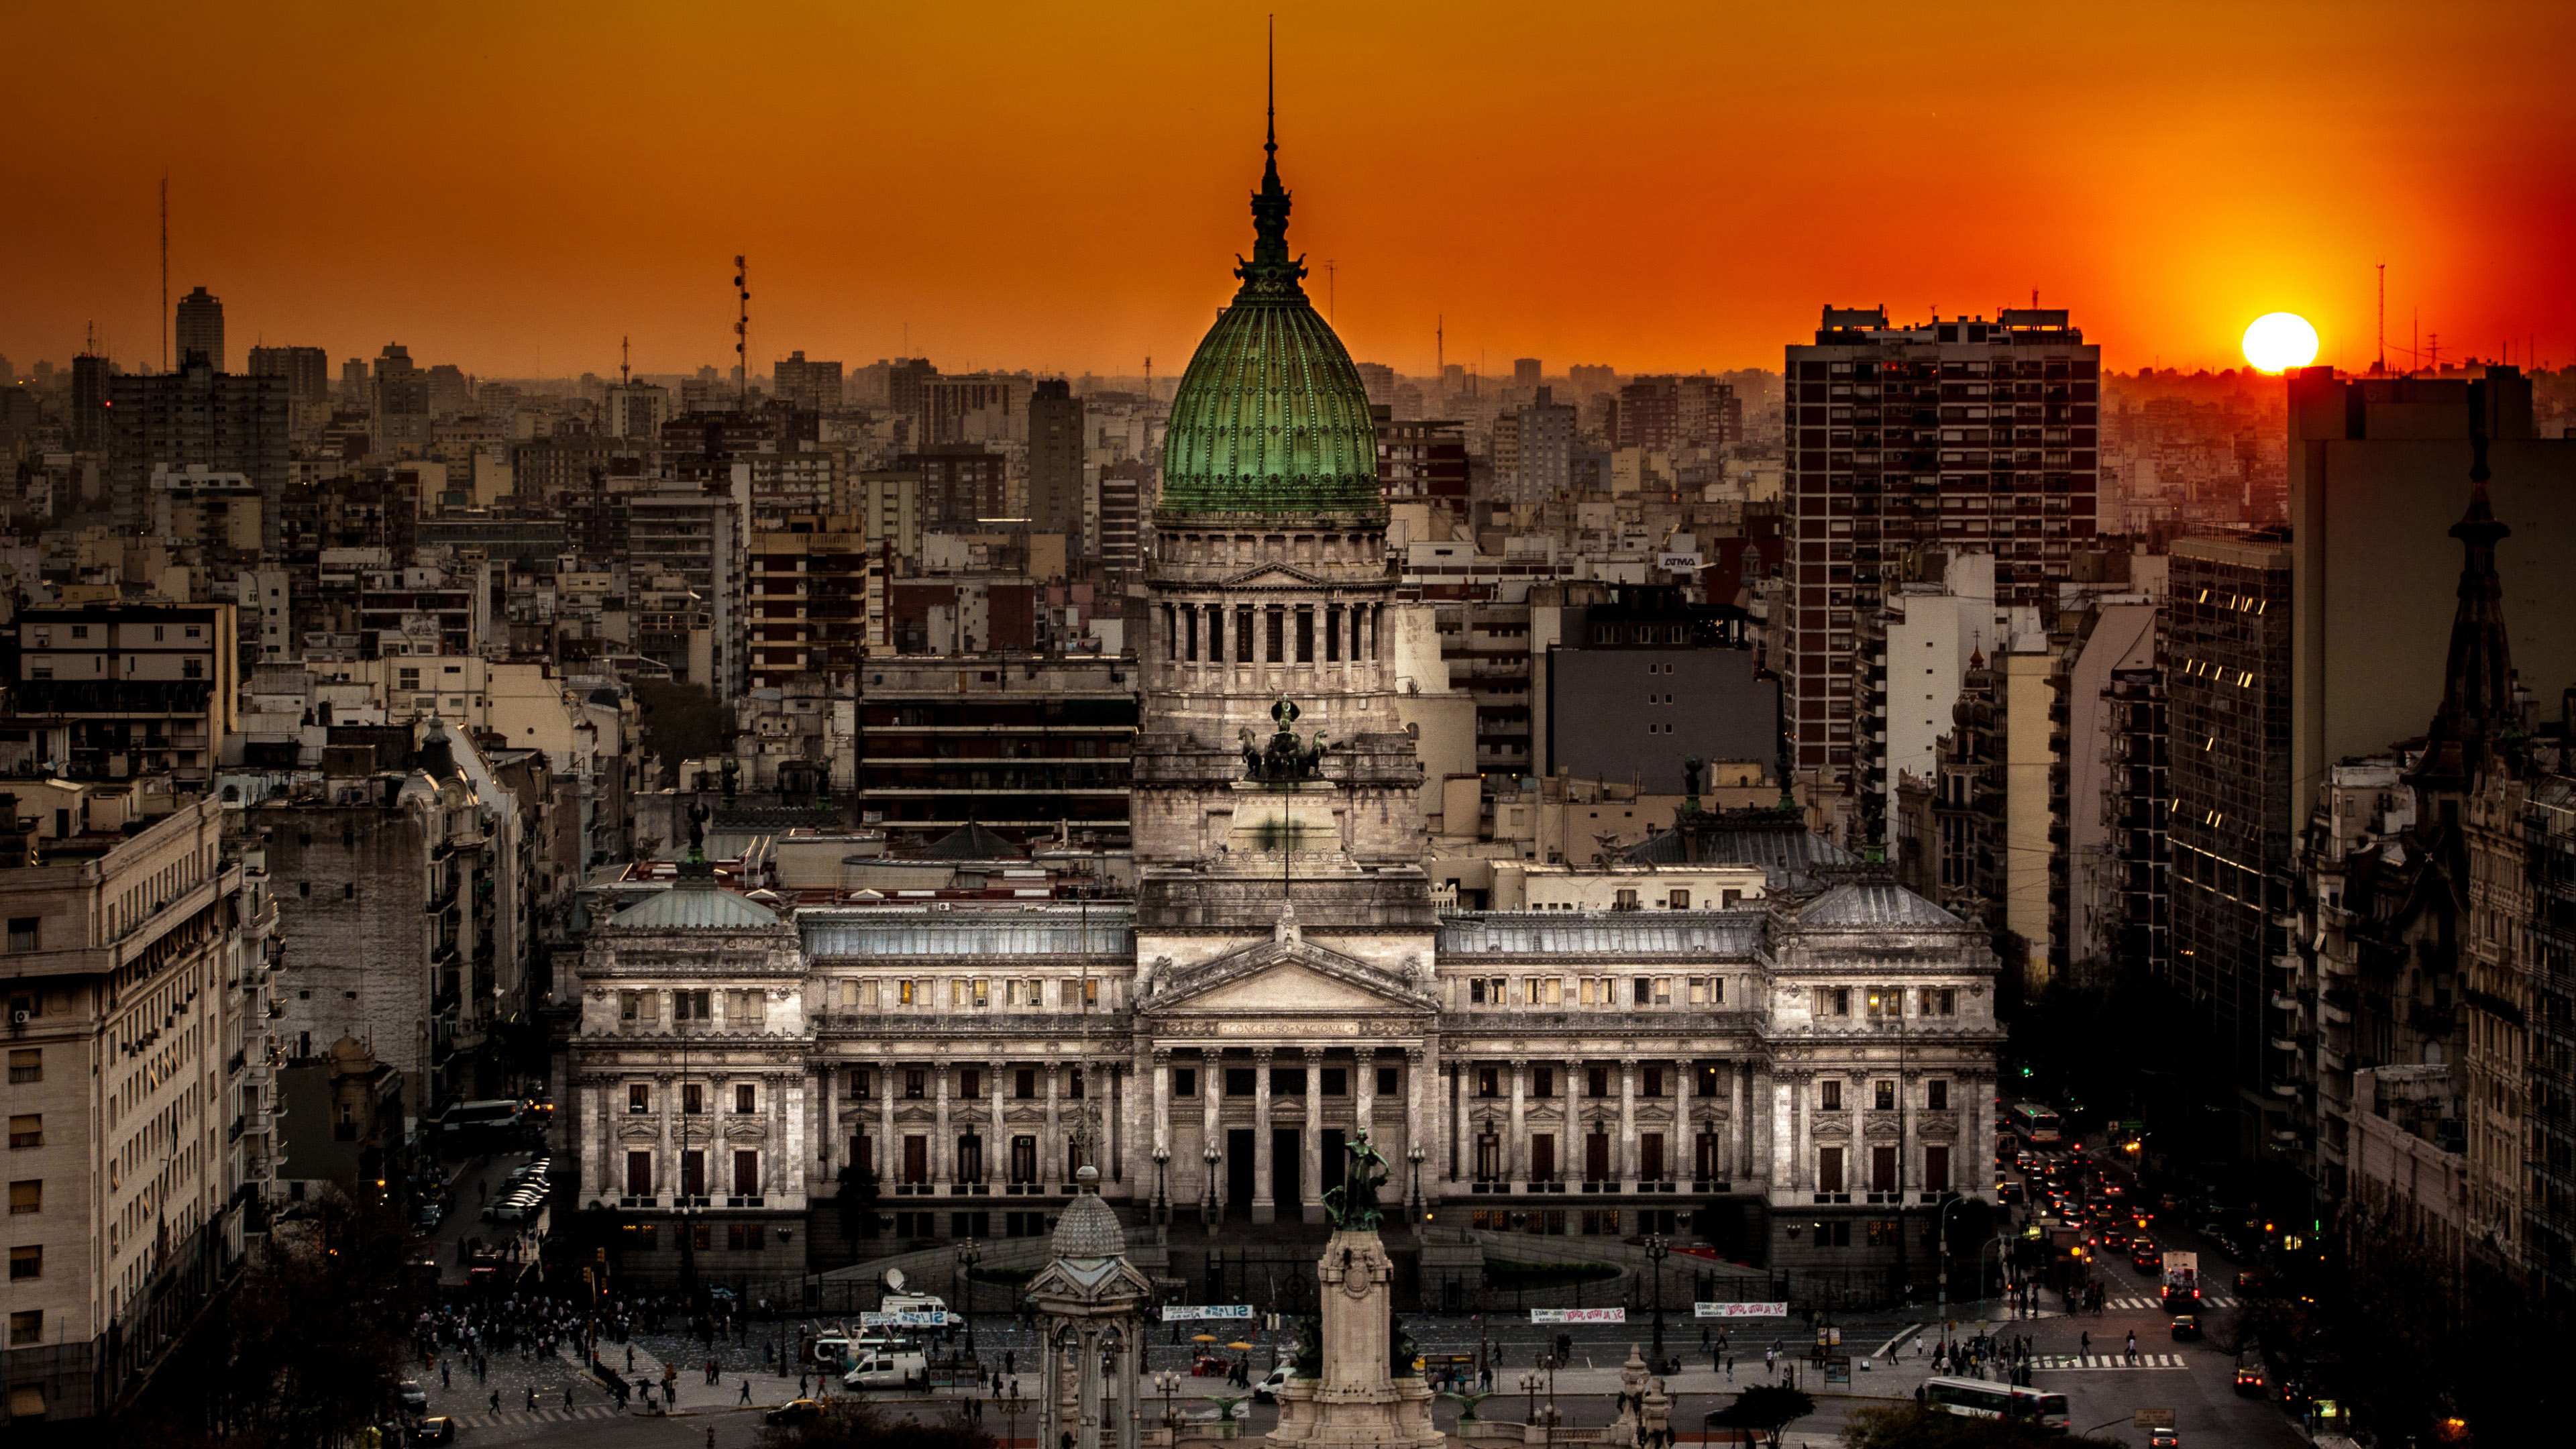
[(1571, 1158), (1050, 1143), (1265, 1207), (1163, 1098), (1738, 1162), (1364, 1090), (1211, 1132), (1684, 1137), (887, 1160), (943, 1145), (997, 1145), (1415, 1120)]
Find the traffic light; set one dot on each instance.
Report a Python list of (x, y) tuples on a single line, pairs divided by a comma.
[(2025, 1071)]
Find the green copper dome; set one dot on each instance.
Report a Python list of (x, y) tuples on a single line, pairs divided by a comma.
[(1271, 417)]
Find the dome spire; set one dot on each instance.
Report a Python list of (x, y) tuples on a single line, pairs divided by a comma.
[(1271, 272)]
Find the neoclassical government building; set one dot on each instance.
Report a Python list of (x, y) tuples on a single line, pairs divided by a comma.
[(1784, 1074)]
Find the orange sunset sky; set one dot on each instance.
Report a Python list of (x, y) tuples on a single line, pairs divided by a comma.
[(1670, 186)]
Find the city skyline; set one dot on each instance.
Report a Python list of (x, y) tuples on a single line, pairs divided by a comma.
[(1432, 197)]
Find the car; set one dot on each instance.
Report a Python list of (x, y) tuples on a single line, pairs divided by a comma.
[(428, 1215), (2186, 1325), (413, 1396), (2249, 1280), (795, 1411), (2249, 1375), (2161, 1437), (1266, 1389), (436, 1430), (2116, 1239)]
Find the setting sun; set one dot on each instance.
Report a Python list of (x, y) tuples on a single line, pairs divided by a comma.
[(2279, 341)]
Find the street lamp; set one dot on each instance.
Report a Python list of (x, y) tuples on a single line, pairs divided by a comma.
[(1941, 1232), (1168, 1383), (1162, 1198), (963, 1282), (1207, 1198), (1656, 1251), (1413, 1155)]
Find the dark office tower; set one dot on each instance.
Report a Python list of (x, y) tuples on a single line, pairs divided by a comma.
[(401, 402), (223, 422), (813, 386), (2226, 659), (905, 382), (307, 371), (1055, 461), (199, 329), (89, 402), (1524, 372), (1976, 436)]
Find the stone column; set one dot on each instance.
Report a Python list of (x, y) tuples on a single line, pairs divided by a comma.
[(1976, 1102), (777, 1161), (1738, 1130), (997, 1146), (666, 1162), (1050, 1141), (1569, 1142), (1802, 1164), (1211, 1130), (943, 1143), (1516, 1144), (1908, 1129), (1265, 1206), (1627, 1124), (1310, 1141), (1163, 1098), (889, 1152), (827, 1119), (1457, 1095), (1684, 1136), (1364, 1093)]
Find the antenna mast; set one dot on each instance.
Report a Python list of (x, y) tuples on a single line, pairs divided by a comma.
[(2381, 367), (165, 269), (625, 371)]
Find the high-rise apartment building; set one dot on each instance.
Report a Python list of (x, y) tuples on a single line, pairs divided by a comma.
[(90, 374), (1120, 509), (1546, 434), (1421, 458), (1667, 413), (2226, 658), (219, 421), (140, 1094), (198, 329), (307, 371), (961, 485), (401, 398), (1055, 461), (814, 386), (970, 408), (1525, 372), (1970, 434), (634, 410)]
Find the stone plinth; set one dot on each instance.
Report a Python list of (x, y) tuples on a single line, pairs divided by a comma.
[(1356, 1401)]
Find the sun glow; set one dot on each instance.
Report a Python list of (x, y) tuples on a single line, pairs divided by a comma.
[(2279, 341)]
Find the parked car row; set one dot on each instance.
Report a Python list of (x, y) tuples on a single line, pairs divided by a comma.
[(523, 1196)]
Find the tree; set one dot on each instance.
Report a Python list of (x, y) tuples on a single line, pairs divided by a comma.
[(1766, 1409), (1916, 1427)]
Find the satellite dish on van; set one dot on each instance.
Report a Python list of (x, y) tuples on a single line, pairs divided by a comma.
[(893, 1280)]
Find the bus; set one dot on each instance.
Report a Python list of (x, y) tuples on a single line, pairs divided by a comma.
[(2038, 1127), (1982, 1399)]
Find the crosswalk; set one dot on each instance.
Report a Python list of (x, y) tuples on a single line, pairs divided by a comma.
[(2107, 1361), (537, 1416), (2136, 1304)]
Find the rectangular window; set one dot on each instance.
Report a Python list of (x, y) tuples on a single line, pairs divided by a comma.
[(863, 1083), (1654, 1083), (27, 1327), (1542, 1157), (1489, 1157), (1585, 994), (1936, 1095), (1337, 1081), (1650, 1156), (1596, 1157), (868, 995), (916, 1160), (1940, 1001), (1024, 1159), (1024, 1083), (1623, 900), (1936, 1169), (28, 1131), (1642, 993), (970, 1082), (26, 1263), (915, 1085), (904, 992), (639, 1097), (1883, 1096), (1829, 1169), (692, 1006), (1542, 1082), (1829, 1096), (639, 1174), (1884, 1003), (1240, 1082), (1833, 1001), (26, 1197), (1599, 1085), (693, 1098), (746, 1100), (23, 931), (26, 1066), (1185, 1081), (970, 1158), (1277, 631), (1679, 900), (1882, 1169), (1551, 991), (1305, 636), (1489, 1081), (746, 1174), (1386, 1080)]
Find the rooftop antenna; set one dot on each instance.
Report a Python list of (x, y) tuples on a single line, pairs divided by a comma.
[(1439, 345), (2381, 366), (625, 359), (742, 330), (1332, 291), (1149, 385)]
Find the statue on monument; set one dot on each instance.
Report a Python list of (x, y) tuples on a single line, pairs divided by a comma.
[(1353, 1205), (698, 815), (1284, 760)]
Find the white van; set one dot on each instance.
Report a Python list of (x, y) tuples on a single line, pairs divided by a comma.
[(888, 1368)]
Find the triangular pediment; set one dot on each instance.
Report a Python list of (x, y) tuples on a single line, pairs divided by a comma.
[(1274, 576), (1287, 978)]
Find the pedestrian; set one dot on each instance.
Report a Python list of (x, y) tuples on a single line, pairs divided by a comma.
[(442, 1375), (630, 1358), (567, 1396), (2133, 1345), (532, 1398), (800, 1385), (2086, 1339), (746, 1390), (1918, 1345), (1011, 1363), (496, 1401), (1730, 1368)]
